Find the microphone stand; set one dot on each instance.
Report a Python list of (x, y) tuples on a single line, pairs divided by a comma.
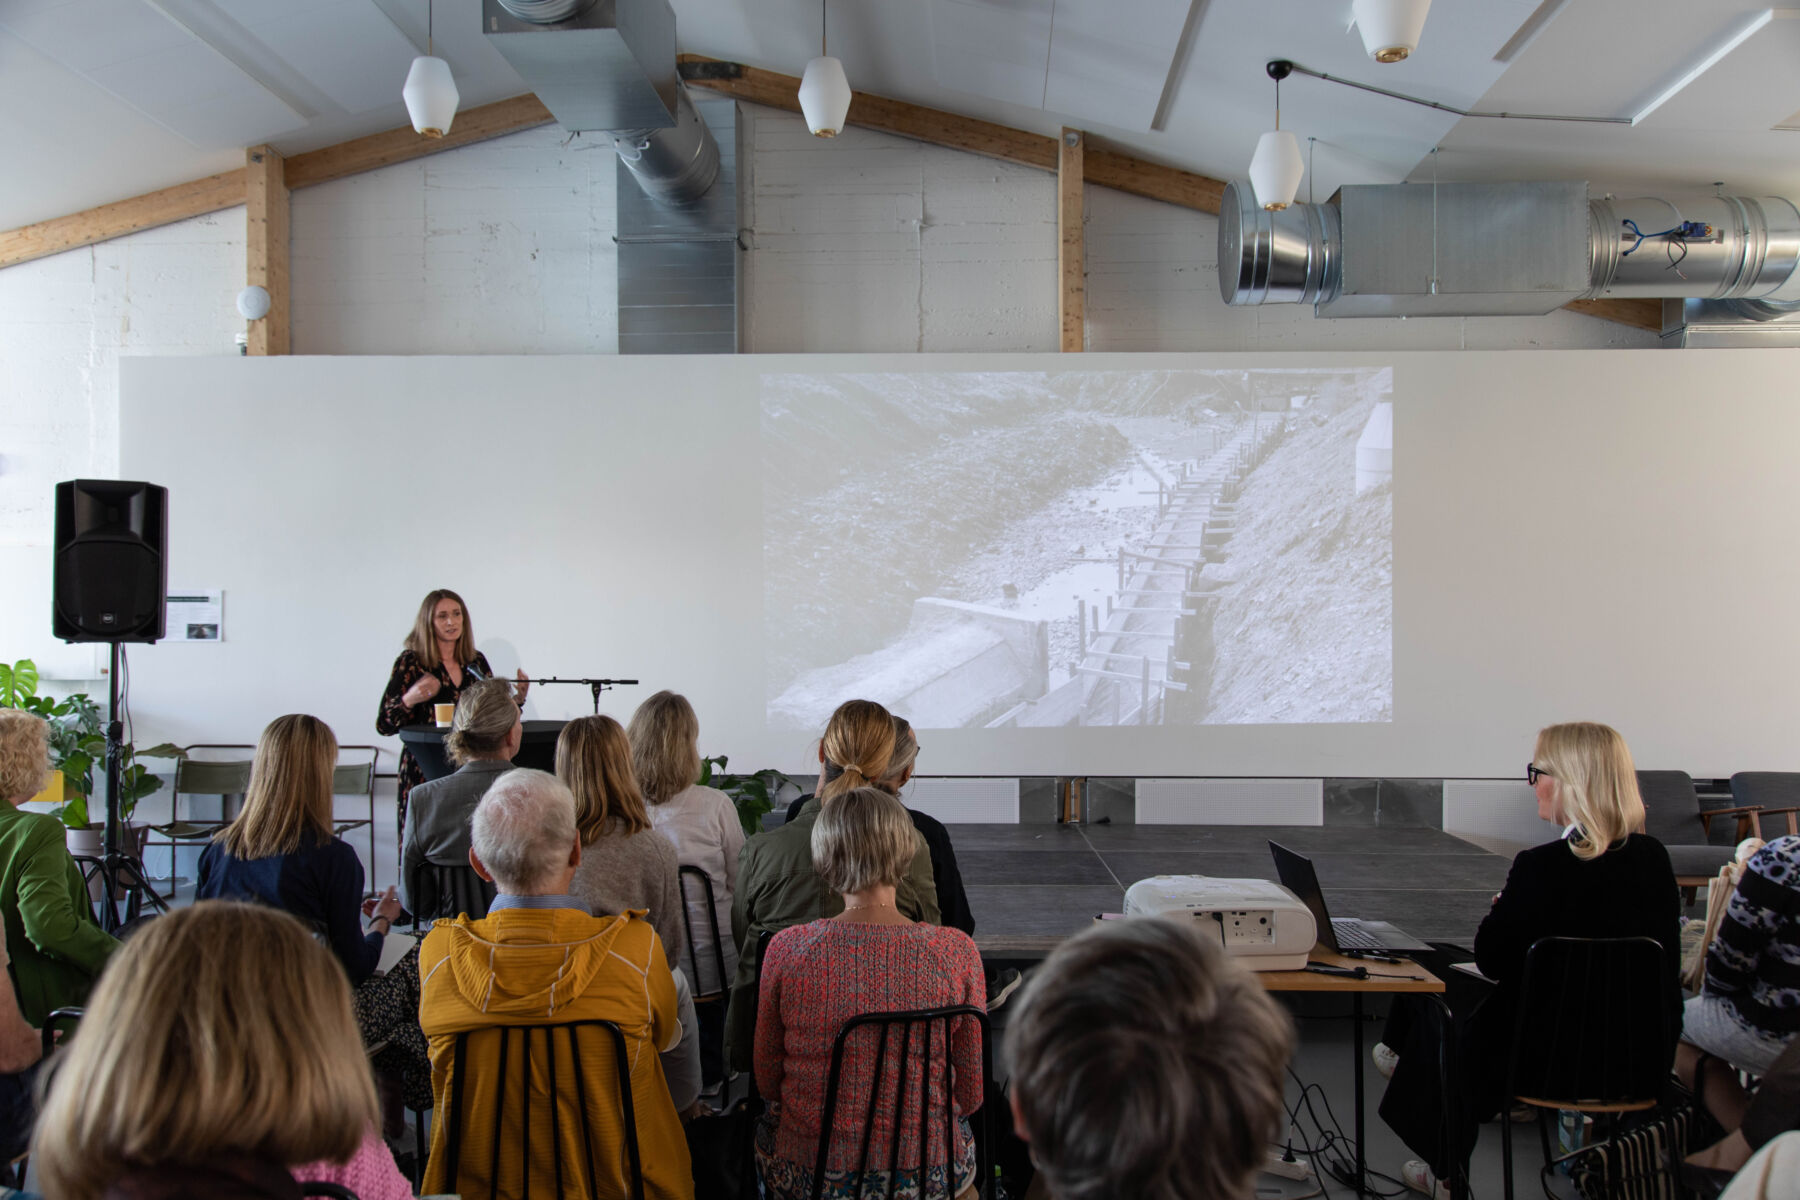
[(596, 686)]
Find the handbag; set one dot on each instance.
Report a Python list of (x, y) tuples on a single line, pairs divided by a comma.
[(1642, 1162)]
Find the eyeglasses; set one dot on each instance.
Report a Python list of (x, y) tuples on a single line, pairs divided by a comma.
[(1533, 773)]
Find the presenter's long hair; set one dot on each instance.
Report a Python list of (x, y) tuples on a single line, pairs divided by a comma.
[(183, 1059), (422, 641), (665, 746), (1596, 784), (858, 745), (485, 714), (593, 757), (288, 800)]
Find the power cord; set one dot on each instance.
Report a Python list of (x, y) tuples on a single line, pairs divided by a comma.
[(1333, 1153)]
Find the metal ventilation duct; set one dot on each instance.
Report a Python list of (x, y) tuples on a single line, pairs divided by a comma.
[(1486, 249)]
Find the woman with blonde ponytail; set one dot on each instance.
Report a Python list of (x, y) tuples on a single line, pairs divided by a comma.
[(777, 883)]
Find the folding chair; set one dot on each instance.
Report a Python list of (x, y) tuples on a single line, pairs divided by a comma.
[(224, 778), (357, 779)]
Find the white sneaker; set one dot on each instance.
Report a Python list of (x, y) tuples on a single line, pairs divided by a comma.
[(1417, 1176), (1385, 1060)]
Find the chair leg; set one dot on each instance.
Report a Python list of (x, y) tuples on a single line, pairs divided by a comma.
[(1543, 1133), (418, 1176), (1506, 1153)]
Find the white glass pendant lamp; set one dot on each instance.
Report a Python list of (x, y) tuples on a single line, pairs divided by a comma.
[(430, 92), (824, 90), (1390, 29), (1276, 167)]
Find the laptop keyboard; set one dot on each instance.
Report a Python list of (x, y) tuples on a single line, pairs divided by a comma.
[(1352, 936)]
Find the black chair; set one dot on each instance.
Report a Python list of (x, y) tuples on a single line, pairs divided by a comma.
[(933, 1024), (447, 890), (567, 1097), (712, 918), (1674, 816), (70, 1017), (1592, 1033), (321, 1187), (1767, 794)]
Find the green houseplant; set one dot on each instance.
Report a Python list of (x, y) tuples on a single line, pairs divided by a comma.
[(78, 745), (754, 795)]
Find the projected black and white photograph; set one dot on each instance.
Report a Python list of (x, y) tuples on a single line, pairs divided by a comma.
[(1016, 549)]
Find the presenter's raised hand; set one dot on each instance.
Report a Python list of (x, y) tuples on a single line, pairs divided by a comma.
[(524, 686), (423, 689)]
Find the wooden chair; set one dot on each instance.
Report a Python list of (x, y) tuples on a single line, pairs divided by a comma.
[(933, 1026), (528, 1070), (1592, 1033), (1674, 816), (1767, 794)]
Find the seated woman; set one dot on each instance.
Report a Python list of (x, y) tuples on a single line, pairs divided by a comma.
[(183, 1084), (870, 957), (56, 946), (484, 737), (1604, 878), (1748, 1009), (777, 885)]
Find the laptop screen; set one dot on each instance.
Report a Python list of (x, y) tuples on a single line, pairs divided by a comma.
[(1298, 877)]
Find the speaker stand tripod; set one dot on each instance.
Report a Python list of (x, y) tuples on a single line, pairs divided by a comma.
[(120, 873)]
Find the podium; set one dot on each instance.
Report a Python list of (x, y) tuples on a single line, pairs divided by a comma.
[(427, 745)]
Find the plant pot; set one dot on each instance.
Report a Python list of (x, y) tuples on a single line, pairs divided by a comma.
[(90, 842)]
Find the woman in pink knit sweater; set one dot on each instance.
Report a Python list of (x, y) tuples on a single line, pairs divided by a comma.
[(867, 959)]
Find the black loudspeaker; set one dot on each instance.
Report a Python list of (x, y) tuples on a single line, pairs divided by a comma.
[(110, 575)]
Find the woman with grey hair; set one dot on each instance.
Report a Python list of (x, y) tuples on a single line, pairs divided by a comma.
[(869, 958)]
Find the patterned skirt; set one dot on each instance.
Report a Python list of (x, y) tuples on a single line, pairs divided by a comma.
[(784, 1179)]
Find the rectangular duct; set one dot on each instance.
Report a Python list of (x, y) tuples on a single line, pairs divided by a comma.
[(680, 270), (611, 66), (1716, 325), (1464, 249)]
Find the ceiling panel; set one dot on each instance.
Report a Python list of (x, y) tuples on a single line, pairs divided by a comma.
[(346, 48), (994, 48), (1757, 83), (1108, 63)]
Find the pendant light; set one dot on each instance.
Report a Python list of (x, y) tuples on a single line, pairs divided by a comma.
[(1390, 28), (430, 93), (824, 90), (1275, 169)]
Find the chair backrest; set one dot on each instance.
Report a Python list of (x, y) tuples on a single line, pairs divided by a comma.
[(355, 778), (447, 889), (212, 777), (1593, 1022), (1767, 789), (1671, 808), (905, 1089), (686, 873), (529, 1070), (324, 1187), (61, 1018)]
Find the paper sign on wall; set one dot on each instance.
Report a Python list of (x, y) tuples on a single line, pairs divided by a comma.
[(197, 615)]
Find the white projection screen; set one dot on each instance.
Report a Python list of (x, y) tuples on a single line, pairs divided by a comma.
[(1153, 565)]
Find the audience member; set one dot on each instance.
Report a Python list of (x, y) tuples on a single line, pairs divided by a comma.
[(20, 1048), (1750, 1122), (953, 902), (1748, 1009), (484, 738), (1145, 1063), (625, 864), (777, 885), (541, 958), (439, 660), (1604, 878), (187, 1081), (1773, 1174), (56, 946), (869, 957)]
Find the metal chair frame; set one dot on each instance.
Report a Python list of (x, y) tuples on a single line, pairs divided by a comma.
[(687, 924), (885, 1023), (442, 875), (621, 1074)]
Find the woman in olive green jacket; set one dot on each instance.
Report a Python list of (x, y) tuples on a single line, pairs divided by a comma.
[(57, 947)]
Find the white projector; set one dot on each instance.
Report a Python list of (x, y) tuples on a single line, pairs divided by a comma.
[(1257, 921)]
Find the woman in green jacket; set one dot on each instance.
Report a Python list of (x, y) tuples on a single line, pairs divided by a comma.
[(57, 947)]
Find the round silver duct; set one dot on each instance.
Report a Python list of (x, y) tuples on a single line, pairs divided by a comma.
[(1289, 256), (1751, 252), (546, 12), (674, 166)]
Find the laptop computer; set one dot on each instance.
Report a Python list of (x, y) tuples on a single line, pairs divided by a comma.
[(1346, 935)]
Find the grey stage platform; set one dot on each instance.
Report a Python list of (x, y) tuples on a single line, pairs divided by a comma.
[(1031, 885)]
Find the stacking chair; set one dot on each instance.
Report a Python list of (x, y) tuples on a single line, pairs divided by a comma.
[(447, 890), (711, 995), (895, 1089), (1768, 794), (1592, 1033), (539, 1066), (357, 779), (221, 777)]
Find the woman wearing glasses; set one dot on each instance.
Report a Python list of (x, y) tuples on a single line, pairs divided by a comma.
[(1603, 877)]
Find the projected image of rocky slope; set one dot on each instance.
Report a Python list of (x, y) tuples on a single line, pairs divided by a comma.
[(988, 549)]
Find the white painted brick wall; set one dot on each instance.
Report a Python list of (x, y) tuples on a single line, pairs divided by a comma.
[(866, 242)]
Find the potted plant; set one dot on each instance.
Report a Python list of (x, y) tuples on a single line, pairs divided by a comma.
[(78, 745), (755, 796)]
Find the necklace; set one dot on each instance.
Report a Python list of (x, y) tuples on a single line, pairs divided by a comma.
[(858, 907)]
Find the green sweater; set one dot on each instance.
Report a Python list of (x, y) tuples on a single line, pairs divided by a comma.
[(56, 946), (777, 887)]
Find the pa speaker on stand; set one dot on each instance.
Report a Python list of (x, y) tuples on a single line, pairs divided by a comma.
[(108, 584)]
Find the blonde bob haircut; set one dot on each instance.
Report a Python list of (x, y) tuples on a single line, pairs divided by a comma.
[(24, 753), (593, 757), (1596, 784), (862, 839), (422, 641), (665, 746), (485, 714), (184, 1059), (288, 800), (858, 746)]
